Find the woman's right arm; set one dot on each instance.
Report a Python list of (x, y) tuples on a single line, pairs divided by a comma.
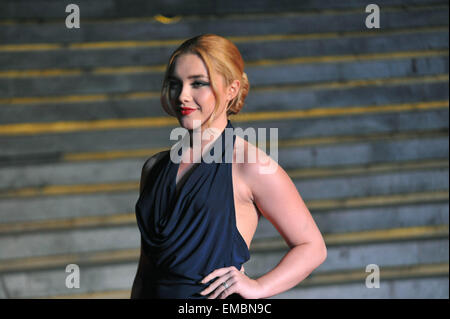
[(137, 284), (149, 163)]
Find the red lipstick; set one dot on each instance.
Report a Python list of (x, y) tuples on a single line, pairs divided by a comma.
[(186, 111)]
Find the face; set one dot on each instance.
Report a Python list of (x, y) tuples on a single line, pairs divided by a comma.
[(191, 94)]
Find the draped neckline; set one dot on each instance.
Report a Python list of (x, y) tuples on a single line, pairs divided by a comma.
[(196, 168), (190, 232)]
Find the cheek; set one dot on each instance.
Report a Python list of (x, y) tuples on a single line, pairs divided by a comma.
[(205, 99)]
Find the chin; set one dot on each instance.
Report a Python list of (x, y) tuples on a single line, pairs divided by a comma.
[(190, 123)]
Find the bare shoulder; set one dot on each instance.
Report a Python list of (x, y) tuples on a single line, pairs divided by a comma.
[(254, 165), (149, 163), (263, 177), (252, 160), (276, 197)]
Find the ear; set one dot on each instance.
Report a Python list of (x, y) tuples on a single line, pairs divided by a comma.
[(233, 89)]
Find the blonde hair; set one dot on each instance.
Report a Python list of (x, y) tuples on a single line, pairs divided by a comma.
[(218, 54)]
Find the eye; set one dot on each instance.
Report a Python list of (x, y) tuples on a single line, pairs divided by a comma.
[(197, 84)]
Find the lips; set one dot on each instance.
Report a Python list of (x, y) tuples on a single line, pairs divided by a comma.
[(186, 111)]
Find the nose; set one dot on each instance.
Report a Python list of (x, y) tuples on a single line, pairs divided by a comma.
[(184, 96)]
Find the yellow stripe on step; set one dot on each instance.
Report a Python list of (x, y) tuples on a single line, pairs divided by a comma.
[(258, 63), (369, 236), (129, 218), (154, 122), (321, 278), (68, 223), (107, 45), (287, 143), (89, 98), (71, 189), (387, 273), (259, 246)]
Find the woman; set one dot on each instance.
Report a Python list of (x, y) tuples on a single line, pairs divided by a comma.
[(197, 219)]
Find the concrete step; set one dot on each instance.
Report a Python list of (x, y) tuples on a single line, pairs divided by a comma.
[(408, 187), (275, 73), (300, 22), (107, 251), (133, 134), (52, 282), (347, 257), (373, 185), (317, 185), (437, 288), (356, 219), (423, 288), (15, 210), (422, 149), (386, 204), (418, 288), (42, 10), (95, 212), (283, 98), (343, 258), (285, 147), (100, 278), (25, 61), (416, 209), (322, 156), (76, 241)]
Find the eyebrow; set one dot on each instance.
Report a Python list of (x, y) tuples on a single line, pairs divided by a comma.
[(196, 76)]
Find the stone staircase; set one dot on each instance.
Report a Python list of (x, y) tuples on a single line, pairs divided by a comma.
[(362, 118)]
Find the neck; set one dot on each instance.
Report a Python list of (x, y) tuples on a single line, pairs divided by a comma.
[(210, 134)]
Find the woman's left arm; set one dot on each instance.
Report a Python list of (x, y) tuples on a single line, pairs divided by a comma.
[(278, 200)]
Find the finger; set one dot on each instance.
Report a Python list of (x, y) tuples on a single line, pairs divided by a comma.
[(216, 273), (218, 282), (229, 291), (231, 277), (221, 289), (216, 292)]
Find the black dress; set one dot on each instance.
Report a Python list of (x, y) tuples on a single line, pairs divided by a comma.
[(187, 235)]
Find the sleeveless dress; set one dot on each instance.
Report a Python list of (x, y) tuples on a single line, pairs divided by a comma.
[(189, 234)]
